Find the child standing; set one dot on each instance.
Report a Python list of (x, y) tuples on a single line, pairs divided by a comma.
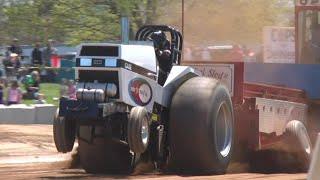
[(3, 86), (14, 93), (71, 89)]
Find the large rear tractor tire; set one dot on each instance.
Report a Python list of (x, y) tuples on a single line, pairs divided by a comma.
[(64, 133), (103, 155), (201, 128)]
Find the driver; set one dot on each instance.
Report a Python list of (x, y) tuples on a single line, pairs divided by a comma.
[(163, 53)]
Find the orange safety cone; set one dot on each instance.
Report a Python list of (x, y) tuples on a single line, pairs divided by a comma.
[(314, 173)]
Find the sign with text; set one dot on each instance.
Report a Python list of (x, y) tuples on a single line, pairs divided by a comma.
[(279, 44), (307, 2), (222, 72)]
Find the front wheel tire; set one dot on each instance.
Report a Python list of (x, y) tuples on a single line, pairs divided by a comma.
[(64, 133), (138, 130)]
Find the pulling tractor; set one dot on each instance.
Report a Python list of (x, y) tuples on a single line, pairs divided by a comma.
[(135, 103), (123, 115)]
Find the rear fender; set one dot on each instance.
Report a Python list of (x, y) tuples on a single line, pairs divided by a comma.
[(177, 76)]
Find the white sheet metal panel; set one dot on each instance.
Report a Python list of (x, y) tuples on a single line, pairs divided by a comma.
[(126, 76), (275, 114), (178, 74), (141, 55)]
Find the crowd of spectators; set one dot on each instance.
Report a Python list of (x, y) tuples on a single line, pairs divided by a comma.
[(39, 56), (20, 82)]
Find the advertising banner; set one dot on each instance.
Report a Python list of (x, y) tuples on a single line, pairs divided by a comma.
[(279, 44)]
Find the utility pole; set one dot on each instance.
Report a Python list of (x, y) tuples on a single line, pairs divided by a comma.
[(182, 27), (125, 29), (182, 17)]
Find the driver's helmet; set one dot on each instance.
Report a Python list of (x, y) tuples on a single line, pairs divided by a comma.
[(159, 39)]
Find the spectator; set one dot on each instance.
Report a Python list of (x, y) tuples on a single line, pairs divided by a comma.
[(14, 93), (7, 53), (64, 88), (14, 61), (3, 86), (15, 48), (4, 82), (32, 85), (36, 55), (12, 66), (1, 93), (1, 67), (71, 89), (48, 52)]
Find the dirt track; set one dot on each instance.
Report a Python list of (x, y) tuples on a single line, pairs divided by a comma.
[(28, 152)]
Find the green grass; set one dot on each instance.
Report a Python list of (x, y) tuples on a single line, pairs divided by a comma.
[(50, 91)]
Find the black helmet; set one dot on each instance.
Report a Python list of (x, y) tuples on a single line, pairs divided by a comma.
[(159, 38)]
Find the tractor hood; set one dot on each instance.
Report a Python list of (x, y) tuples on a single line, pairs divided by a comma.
[(137, 53), (140, 55)]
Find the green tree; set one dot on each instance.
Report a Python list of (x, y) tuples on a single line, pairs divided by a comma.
[(72, 21)]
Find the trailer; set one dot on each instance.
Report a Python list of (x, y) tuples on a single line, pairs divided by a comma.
[(270, 116)]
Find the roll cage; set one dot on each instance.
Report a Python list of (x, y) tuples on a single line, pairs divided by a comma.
[(176, 41)]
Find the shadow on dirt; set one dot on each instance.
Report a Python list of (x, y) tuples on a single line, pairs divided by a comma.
[(270, 162), (266, 162)]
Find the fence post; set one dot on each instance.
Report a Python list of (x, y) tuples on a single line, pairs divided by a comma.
[(125, 29)]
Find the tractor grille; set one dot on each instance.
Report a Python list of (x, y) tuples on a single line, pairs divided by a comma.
[(100, 76)]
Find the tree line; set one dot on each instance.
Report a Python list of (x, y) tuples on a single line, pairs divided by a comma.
[(71, 21), (75, 21)]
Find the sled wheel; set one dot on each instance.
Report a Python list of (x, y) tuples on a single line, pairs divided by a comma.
[(299, 140)]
